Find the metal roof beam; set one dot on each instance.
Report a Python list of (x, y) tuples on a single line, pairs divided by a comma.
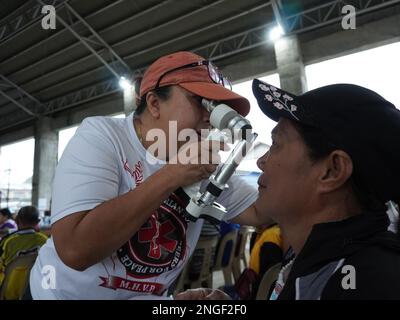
[(243, 41), (13, 25), (235, 44), (140, 34), (160, 45), (120, 66), (329, 13), (51, 37), (216, 50), (277, 14), (23, 96), (19, 105)]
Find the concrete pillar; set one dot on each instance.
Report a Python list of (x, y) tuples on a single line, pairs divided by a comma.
[(290, 65), (45, 161), (129, 100)]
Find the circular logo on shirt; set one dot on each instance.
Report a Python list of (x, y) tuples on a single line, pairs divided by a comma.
[(159, 244)]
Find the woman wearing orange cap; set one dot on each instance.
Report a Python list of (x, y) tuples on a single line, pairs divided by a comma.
[(118, 224)]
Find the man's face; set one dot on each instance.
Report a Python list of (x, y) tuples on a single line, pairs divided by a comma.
[(287, 181)]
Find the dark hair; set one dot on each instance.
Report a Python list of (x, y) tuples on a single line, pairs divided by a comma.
[(162, 92), (6, 212), (28, 215), (320, 146)]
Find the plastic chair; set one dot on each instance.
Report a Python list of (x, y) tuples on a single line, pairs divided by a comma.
[(205, 276), (267, 281), (244, 235), (230, 237), (23, 265)]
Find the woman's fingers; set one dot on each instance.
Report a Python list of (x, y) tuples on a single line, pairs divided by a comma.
[(202, 294), (193, 294)]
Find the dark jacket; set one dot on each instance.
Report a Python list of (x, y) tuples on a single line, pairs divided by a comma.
[(356, 258)]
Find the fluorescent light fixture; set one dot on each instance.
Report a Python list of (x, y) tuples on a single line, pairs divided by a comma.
[(124, 83), (276, 32)]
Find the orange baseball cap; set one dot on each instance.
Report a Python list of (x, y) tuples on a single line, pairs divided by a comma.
[(195, 79)]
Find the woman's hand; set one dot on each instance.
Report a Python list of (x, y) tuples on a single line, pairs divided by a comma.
[(195, 162), (202, 294)]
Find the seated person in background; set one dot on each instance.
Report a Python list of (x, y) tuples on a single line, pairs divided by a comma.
[(7, 224), (332, 167), (268, 250), (24, 241)]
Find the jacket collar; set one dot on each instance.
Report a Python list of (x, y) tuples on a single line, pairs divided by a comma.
[(334, 240)]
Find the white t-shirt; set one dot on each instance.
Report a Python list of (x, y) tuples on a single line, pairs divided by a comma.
[(102, 161)]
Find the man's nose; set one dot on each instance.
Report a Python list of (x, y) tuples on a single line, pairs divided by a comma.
[(261, 161)]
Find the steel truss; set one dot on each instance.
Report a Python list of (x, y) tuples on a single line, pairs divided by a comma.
[(307, 20)]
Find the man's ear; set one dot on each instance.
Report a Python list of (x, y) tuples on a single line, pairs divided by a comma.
[(336, 170), (153, 104)]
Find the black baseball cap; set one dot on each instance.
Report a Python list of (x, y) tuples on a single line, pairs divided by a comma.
[(357, 120)]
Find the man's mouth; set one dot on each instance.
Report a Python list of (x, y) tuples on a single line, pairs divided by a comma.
[(261, 183)]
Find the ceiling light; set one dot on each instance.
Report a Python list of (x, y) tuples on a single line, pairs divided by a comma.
[(124, 83), (276, 33)]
